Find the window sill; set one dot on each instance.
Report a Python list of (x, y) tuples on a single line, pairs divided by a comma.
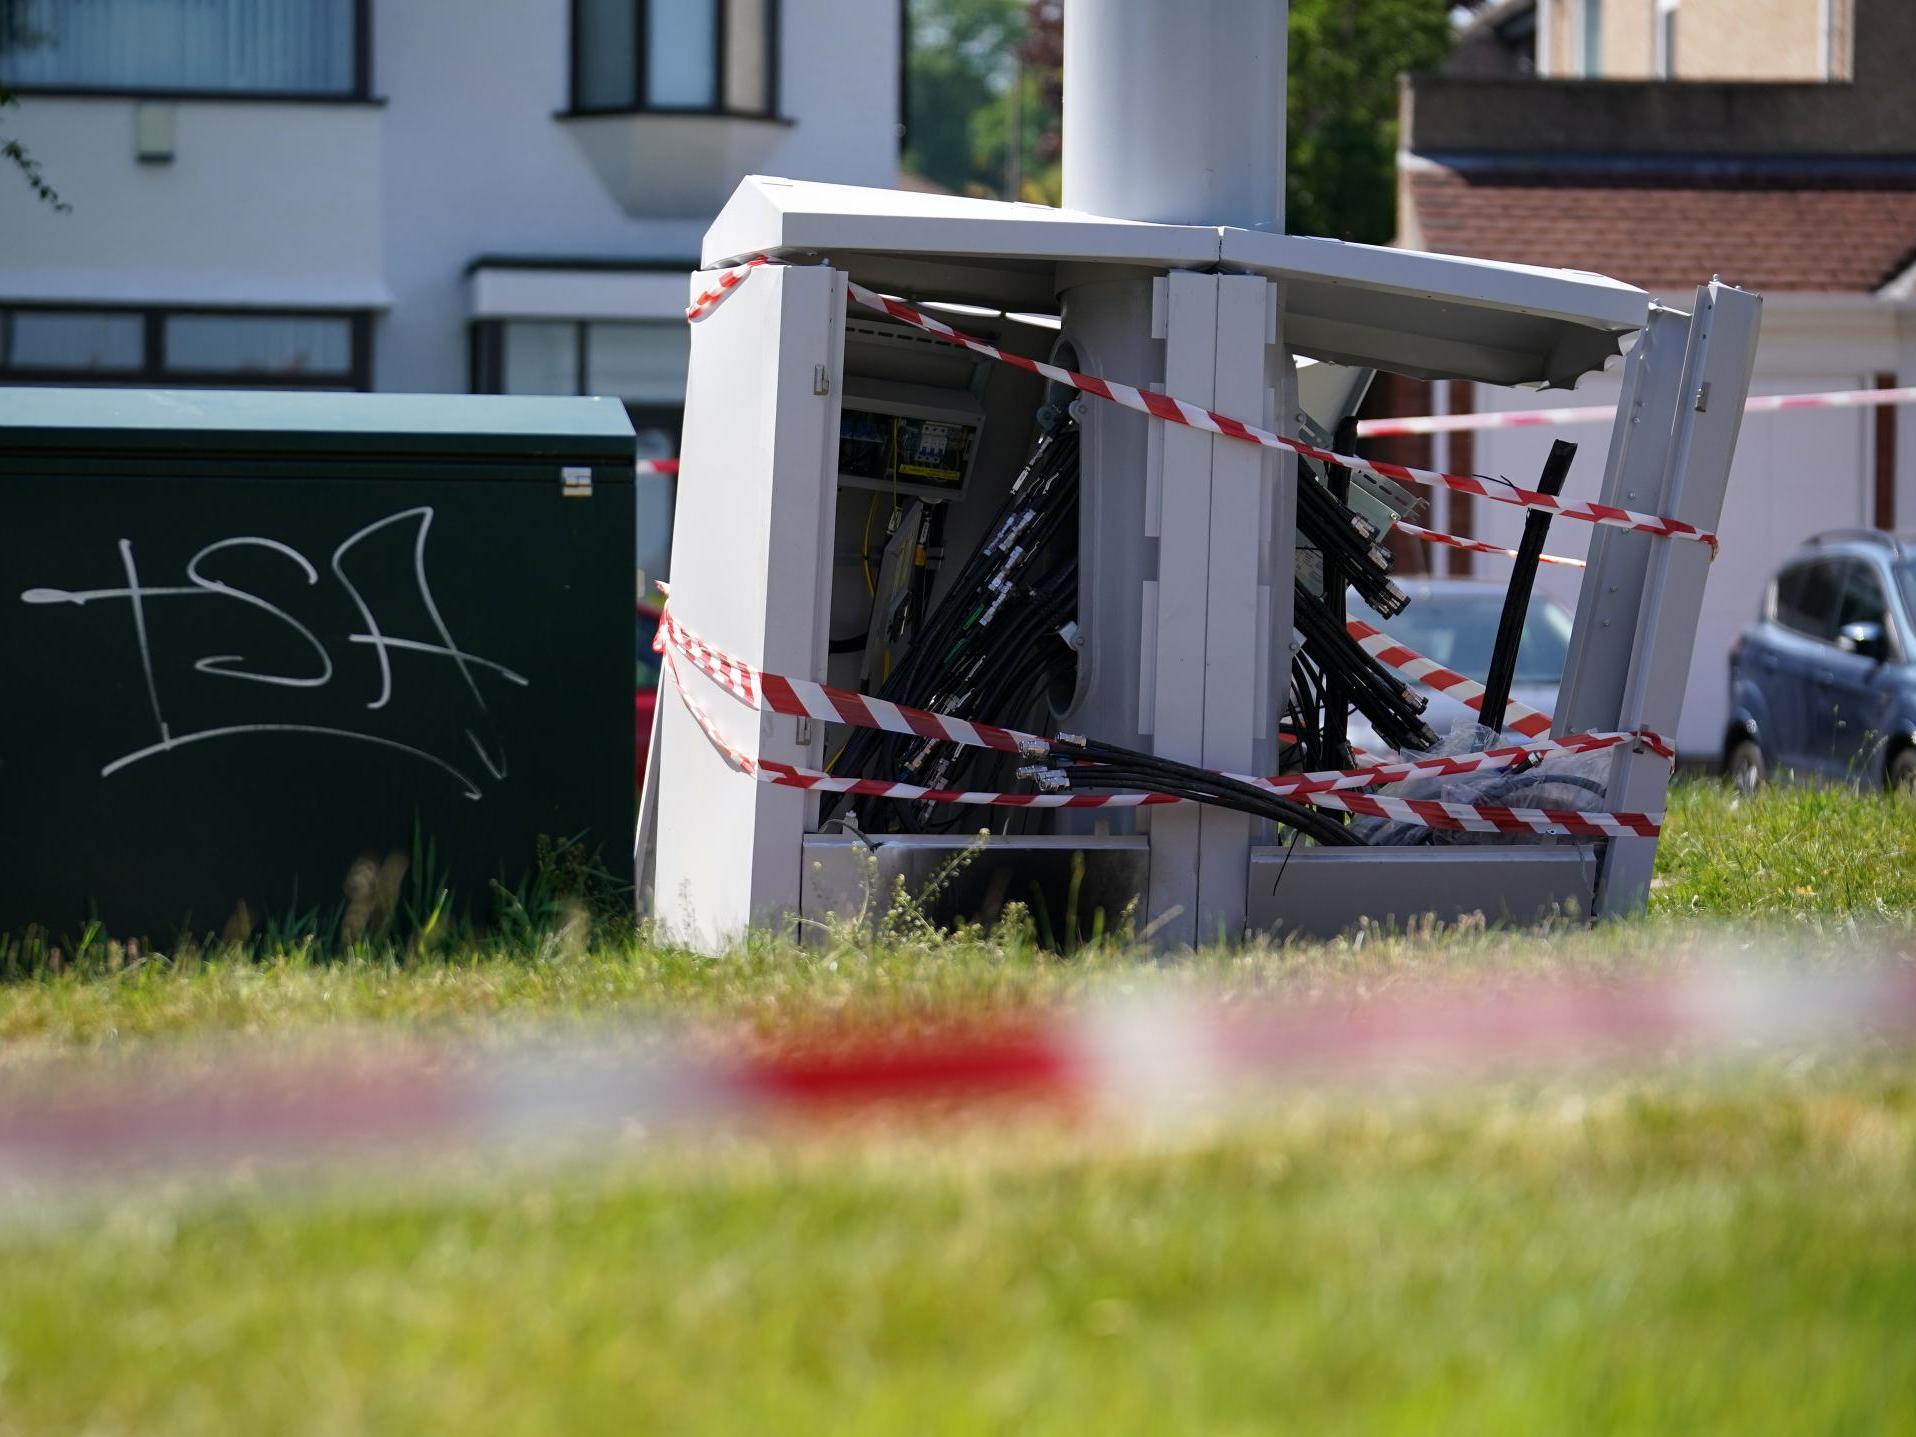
[(637, 112), (234, 97), (673, 163)]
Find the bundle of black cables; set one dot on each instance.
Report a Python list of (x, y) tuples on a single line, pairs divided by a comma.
[(1350, 540), (995, 641), (1094, 765), (1392, 708)]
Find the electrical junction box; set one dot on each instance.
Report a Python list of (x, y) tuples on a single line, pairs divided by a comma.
[(258, 644), (907, 438), (1181, 546)]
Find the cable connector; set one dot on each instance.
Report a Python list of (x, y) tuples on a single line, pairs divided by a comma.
[(1031, 746), (1073, 636), (1050, 780)]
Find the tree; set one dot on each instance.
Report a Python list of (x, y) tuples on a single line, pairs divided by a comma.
[(14, 35), (986, 95), (1346, 55), (1021, 130), (959, 70)]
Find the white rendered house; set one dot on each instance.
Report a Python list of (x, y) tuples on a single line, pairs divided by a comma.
[(409, 195)]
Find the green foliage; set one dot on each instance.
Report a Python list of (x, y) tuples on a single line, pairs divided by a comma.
[(1345, 58), (986, 75), (1729, 1248), (1669, 1254), (1789, 852), (959, 73), (400, 907)]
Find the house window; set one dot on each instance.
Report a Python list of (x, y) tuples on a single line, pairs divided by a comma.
[(704, 56), (52, 344), (1666, 35), (284, 346), (641, 362), (299, 48), (71, 342), (1592, 67)]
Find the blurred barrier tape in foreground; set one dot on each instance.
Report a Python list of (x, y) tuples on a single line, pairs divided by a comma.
[(289, 1102)]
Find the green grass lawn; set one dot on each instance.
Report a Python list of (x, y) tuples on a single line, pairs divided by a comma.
[(1677, 1249)]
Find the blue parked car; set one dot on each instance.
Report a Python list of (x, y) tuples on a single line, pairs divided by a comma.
[(1823, 683)]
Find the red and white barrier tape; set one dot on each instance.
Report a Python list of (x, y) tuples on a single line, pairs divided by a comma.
[(786, 775), (1178, 411), (1154, 1055), (728, 280), (1492, 818), (1593, 413), (1518, 718), (1475, 546), (801, 698), (778, 694)]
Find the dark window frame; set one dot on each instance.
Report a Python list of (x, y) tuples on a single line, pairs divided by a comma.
[(153, 372), (361, 92), (721, 106)]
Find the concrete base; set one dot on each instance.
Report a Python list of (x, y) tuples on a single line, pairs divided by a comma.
[(1074, 886), (1323, 892)]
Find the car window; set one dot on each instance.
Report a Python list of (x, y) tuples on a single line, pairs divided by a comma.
[(1459, 631), (1864, 601), (1806, 598), (1906, 585)]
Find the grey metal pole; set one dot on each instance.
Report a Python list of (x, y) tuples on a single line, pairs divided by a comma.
[(1174, 110)]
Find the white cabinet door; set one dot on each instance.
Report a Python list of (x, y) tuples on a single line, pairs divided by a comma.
[(750, 554)]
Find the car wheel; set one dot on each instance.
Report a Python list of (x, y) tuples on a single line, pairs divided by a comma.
[(1900, 776), (1744, 766)]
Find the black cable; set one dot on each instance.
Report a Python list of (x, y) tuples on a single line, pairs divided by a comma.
[(1094, 762), (1333, 735), (1523, 575), (1392, 707), (1311, 822), (982, 650)]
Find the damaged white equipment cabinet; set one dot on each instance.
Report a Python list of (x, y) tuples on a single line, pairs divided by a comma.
[(1185, 541)]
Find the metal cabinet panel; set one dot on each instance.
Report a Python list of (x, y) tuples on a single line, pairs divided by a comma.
[(228, 682)]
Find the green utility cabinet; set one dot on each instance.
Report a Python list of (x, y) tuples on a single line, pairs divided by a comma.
[(301, 652)]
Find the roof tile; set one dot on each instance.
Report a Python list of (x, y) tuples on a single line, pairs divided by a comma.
[(1843, 232)]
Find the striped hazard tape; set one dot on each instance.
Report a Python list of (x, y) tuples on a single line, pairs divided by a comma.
[(1593, 413), (801, 698), (1490, 818), (728, 280), (1475, 546), (1414, 666), (1178, 411), (1161, 1055), (786, 775)]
